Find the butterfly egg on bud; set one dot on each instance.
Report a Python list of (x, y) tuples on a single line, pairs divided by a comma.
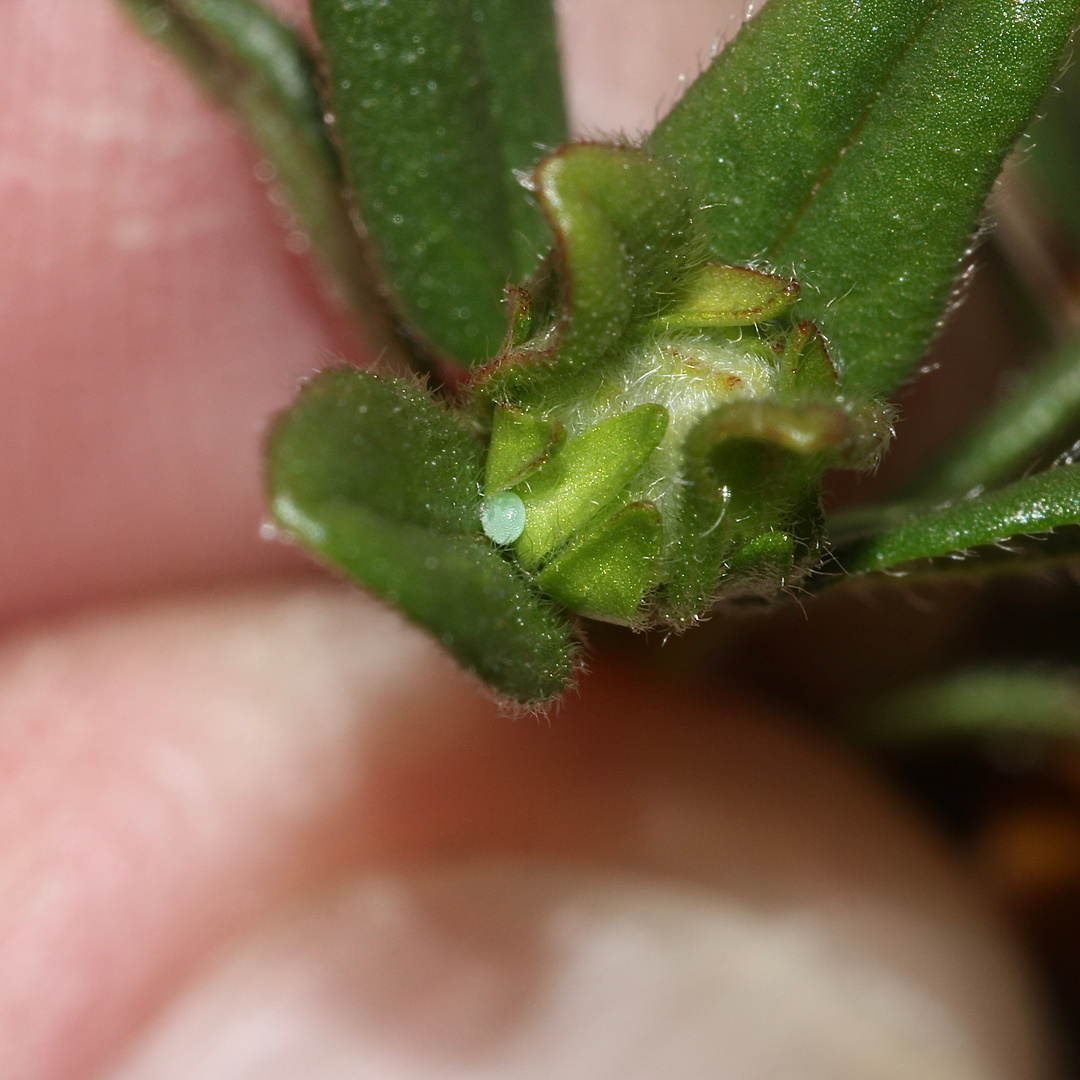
[(502, 517)]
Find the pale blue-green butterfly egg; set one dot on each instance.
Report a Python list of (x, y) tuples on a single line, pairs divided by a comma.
[(503, 517)]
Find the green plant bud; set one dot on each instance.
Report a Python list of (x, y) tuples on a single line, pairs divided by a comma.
[(688, 375), (657, 428), (587, 476), (626, 324)]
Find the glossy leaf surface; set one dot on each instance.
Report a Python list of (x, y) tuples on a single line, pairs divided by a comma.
[(379, 480), (436, 103), (854, 145)]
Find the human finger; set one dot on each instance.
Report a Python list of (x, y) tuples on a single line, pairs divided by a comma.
[(178, 774)]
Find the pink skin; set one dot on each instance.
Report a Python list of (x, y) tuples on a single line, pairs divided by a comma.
[(198, 733)]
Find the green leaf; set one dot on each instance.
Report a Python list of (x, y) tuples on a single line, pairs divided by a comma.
[(225, 41), (750, 497), (520, 46), (624, 226), (436, 104), (606, 572), (1037, 504), (465, 594), (586, 475), (374, 441), (987, 701), (380, 480), (520, 444), (253, 64), (1043, 411), (626, 242), (729, 296), (855, 144)]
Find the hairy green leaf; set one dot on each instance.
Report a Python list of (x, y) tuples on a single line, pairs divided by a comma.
[(436, 104), (1037, 504), (626, 242), (471, 599), (379, 480), (855, 144), (520, 47), (624, 225), (379, 442)]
